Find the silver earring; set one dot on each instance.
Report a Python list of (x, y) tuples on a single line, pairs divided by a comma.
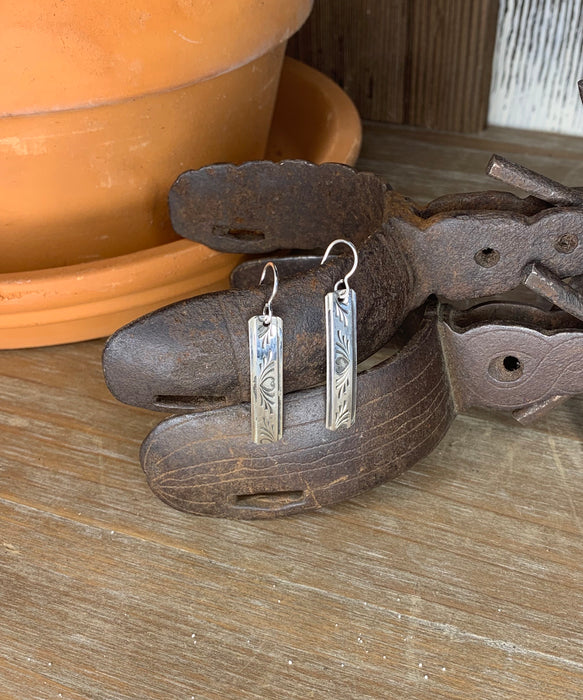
[(266, 369), (341, 356)]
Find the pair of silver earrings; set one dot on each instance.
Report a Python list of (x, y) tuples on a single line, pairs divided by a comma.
[(266, 358)]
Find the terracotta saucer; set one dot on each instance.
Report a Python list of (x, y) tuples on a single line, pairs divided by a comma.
[(314, 120)]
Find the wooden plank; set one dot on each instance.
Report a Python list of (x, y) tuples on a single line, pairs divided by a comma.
[(406, 61), (423, 546), (362, 46), (462, 579), (450, 59)]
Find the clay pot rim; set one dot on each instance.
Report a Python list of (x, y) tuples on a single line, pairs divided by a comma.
[(148, 59)]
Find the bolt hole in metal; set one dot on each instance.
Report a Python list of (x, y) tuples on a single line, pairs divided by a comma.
[(566, 243), (487, 257), (506, 368)]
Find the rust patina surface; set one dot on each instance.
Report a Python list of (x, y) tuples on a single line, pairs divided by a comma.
[(467, 350)]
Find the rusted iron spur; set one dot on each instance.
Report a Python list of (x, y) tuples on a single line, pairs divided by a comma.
[(192, 357), (206, 464)]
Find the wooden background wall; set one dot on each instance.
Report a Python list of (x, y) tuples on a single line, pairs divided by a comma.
[(537, 63), (420, 62)]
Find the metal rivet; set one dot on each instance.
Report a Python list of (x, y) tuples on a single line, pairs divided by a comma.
[(566, 243)]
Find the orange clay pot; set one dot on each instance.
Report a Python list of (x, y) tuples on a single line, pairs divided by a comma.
[(313, 119), (104, 103)]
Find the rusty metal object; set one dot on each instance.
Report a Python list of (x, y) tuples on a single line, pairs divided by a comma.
[(528, 415), (506, 366), (192, 357), (551, 287), (207, 463), (259, 207), (530, 181), (492, 236)]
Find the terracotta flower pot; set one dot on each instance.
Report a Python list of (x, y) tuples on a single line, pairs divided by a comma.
[(313, 119), (104, 103)]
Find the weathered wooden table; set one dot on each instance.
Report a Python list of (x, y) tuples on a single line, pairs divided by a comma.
[(462, 579)]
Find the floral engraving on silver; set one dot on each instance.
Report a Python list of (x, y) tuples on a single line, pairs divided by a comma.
[(265, 342), (341, 360), (266, 370), (341, 354)]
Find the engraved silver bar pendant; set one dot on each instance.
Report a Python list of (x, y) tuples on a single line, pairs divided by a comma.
[(266, 368), (341, 359)]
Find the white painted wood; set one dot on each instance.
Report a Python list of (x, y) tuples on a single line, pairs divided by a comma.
[(537, 62)]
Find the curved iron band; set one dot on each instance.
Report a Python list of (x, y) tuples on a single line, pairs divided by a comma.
[(193, 355), (259, 207), (206, 463), (462, 246), (508, 356)]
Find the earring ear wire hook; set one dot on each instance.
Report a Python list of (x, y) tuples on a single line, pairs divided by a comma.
[(267, 310), (352, 270)]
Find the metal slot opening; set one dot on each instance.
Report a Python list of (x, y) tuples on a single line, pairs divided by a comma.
[(185, 403), (244, 234), (274, 499)]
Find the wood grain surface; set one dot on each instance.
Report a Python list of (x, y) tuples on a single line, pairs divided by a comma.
[(406, 61), (537, 63), (463, 578)]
